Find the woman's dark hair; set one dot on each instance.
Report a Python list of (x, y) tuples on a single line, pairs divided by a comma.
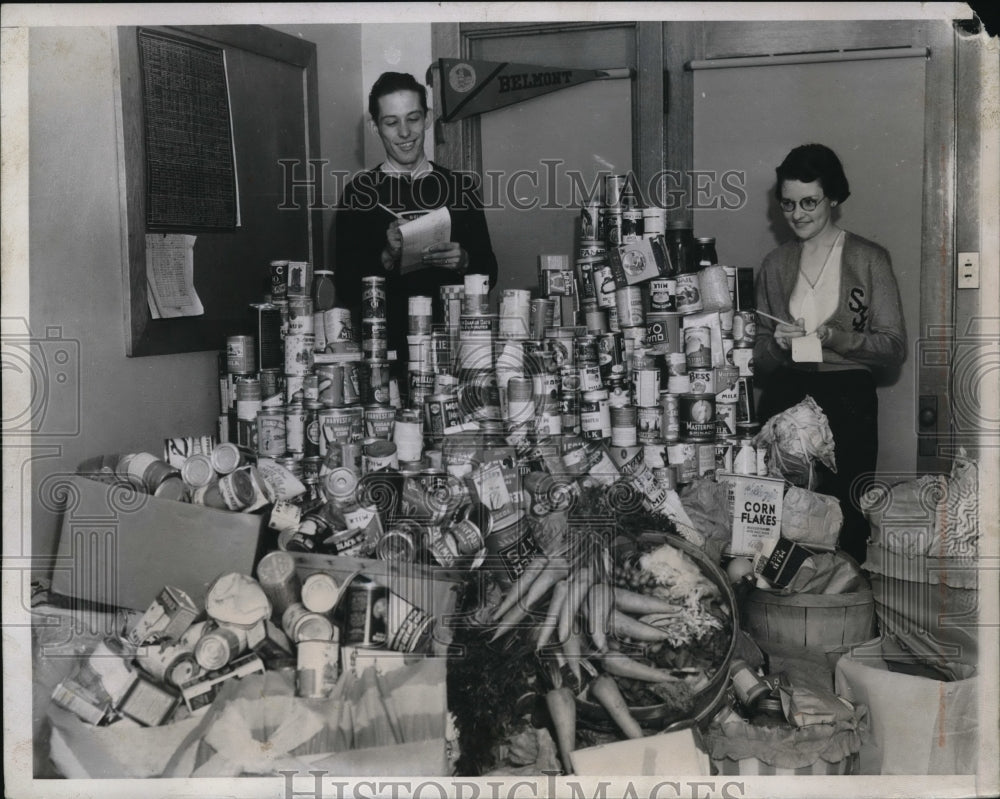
[(389, 82), (811, 162)]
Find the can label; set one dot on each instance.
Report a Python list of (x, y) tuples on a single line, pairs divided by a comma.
[(629, 303), (688, 297), (241, 357), (702, 381), (590, 377), (271, 433), (725, 415), (646, 387), (663, 294), (299, 355), (367, 614), (697, 416), (648, 420), (744, 328), (698, 348), (373, 298)]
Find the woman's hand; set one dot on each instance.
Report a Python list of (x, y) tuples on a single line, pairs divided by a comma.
[(833, 338), (784, 333), (448, 254)]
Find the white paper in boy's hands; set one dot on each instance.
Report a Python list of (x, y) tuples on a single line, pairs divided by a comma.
[(420, 233), (807, 349)]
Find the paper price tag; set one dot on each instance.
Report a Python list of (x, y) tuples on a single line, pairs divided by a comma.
[(807, 349)]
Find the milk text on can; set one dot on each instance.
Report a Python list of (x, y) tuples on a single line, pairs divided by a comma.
[(663, 294)]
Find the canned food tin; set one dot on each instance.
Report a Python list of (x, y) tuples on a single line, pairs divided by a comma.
[(585, 267), (475, 294), (299, 355), (595, 416), (590, 377), (697, 417), (317, 668), (421, 310), (310, 429), (226, 457), (295, 428), (399, 543), (613, 227), (374, 339), (688, 299), (724, 455), (301, 624), (373, 297), (279, 279), (628, 301), (270, 432), (248, 398), (241, 356), (589, 220), (648, 421), (378, 455), (591, 247), (670, 423), (340, 484), (623, 426), (218, 646), (605, 286), (744, 328), (725, 415), (698, 347), (662, 294), (338, 326), (702, 381), (379, 421), (367, 612), (197, 470), (646, 387), (300, 317), (684, 457), (744, 456), (658, 333), (320, 592), (632, 227), (272, 386)]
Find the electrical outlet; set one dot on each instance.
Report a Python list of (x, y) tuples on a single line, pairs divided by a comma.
[(968, 270)]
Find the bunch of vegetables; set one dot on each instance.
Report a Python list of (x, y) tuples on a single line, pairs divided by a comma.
[(607, 631)]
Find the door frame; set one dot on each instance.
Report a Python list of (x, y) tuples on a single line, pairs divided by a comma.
[(457, 145)]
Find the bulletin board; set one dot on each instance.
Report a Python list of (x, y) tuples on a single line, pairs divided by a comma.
[(271, 90)]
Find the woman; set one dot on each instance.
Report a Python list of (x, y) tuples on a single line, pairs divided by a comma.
[(840, 287)]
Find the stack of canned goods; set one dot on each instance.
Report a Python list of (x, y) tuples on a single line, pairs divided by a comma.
[(617, 372)]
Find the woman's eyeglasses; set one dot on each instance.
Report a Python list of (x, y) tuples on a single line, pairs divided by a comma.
[(806, 204)]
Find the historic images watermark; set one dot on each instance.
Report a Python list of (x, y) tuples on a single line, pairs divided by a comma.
[(550, 187)]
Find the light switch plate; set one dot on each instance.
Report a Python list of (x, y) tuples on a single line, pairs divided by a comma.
[(968, 270)]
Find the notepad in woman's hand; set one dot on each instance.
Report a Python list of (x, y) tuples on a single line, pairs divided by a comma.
[(420, 233), (807, 349)]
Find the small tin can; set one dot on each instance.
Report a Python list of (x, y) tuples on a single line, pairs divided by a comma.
[(226, 457), (295, 428), (320, 592), (311, 429), (377, 382), (271, 432), (278, 271), (338, 326), (688, 297), (400, 542), (373, 297), (379, 421), (613, 226), (744, 328), (698, 348), (747, 686), (648, 421), (702, 381), (378, 455), (300, 317), (662, 294), (632, 227), (629, 303), (604, 286), (684, 457), (420, 310), (317, 668), (340, 484), (218, 646), (277, 576), (241, 357), (725, 415), (670, 424), (299, 354), (367, 614), (301, 624), (697, 417), (197, 470), (374, 339), (724, 455), (646, 387)]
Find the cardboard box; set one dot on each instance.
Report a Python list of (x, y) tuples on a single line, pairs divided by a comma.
[(755, 505), (120, 548)]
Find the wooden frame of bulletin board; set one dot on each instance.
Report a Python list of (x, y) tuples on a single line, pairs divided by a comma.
[(273, 101)]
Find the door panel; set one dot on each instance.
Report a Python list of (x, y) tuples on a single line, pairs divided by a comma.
[(569, 126)]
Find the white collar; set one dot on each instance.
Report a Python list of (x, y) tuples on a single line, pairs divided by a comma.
[(420, 170)]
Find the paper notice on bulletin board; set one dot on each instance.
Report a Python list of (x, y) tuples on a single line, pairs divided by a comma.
[(170, 276)]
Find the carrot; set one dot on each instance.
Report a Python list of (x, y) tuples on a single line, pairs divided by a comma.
[(623, 624), (605, 690), (539, 587), (623, 666), (562, 710), (578, 587), (641, 604), (599, 608), (572, 648), (531, 572), (548, 626)]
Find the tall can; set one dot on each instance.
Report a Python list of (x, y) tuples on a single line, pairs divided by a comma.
[(373, 297), (241, 355), (271, 432)]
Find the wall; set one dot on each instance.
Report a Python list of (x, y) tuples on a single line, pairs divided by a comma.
[(342, 96), (111, 403)]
